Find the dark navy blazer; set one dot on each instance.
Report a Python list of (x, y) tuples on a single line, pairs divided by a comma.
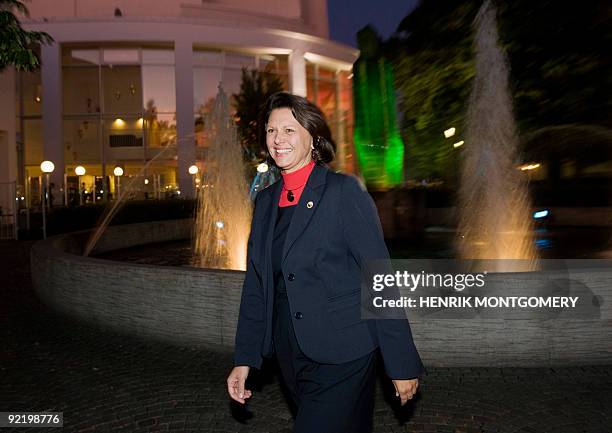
[(335, 228)]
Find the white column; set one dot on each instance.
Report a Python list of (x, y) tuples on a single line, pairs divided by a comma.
[(297, 72), (185, 141), (53, 143)]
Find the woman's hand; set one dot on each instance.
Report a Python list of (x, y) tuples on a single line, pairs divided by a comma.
[(235, 384), (405, 389)]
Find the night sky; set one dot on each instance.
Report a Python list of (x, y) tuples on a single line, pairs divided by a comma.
[(346, 17)]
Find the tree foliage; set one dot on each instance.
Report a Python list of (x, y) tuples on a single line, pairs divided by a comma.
[(16, 44), (255, 88), (433, 67)]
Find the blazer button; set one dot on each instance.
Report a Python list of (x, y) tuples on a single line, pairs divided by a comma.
[(298, 315), (291, 277)]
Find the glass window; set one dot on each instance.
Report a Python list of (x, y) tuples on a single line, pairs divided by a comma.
[(202, 129), (235, 60), (231, 81), (160, 130), (119, 56), (311, 89), (207, 58), (326, 74), (77, 56), (326, 98), (122, 89), (32, 137), (159, 88), (81, 141), (205, 87), (277, 65), (310, 70), (311, 82), (80, 90), (123, 140), (158, 57), (31, 93)]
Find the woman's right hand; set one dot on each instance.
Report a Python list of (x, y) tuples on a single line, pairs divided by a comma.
[(235, 384)]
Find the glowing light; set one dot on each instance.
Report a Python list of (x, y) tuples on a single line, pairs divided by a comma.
[(79, 170), (47, 167), (146, 181), (458, 144), (540, 214), (37, 99), (449, 132), (328, 62), (118, 171), (140, 121), (529, 167), (379, 148), (119, 122), (262, 168), (193, 169), (219, 224)]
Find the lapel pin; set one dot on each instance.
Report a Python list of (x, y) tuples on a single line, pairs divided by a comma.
[(309, 204)]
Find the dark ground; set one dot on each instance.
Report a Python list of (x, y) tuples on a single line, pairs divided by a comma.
[(104, 381)]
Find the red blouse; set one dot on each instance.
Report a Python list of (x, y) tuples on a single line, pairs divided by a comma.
[(294, 182)]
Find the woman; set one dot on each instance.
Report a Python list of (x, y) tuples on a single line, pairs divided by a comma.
[(311, 232)]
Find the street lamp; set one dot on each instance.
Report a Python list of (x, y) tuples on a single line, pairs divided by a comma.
[(118, 172), (46, 167), (193, 171), (79, 170)]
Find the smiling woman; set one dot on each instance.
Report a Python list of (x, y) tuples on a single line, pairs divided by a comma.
[(293, 308), (287, 141), (295, 133)]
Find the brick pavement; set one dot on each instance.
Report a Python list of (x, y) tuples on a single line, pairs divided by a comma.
[(108, 382)]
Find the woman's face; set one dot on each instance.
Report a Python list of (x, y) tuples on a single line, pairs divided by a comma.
[(288, 142)]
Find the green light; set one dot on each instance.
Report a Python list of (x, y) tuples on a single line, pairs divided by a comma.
[(378, 145)]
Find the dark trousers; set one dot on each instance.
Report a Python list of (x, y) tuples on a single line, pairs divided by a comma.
[(330, 398)]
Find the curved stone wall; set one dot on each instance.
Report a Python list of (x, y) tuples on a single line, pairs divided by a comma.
[(199, 307), (182, 305)]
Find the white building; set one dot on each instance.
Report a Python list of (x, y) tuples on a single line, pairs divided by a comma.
[(127, 79)]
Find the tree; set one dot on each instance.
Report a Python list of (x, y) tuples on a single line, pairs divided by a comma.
[(255, 88), (16, 44), (433, 67), (558, 65)]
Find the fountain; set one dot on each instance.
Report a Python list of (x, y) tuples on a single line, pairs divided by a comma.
[(223, 213), (495, 220), (125, 194)]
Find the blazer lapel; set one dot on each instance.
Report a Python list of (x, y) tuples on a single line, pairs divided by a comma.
[(306, 206), (270, 217)]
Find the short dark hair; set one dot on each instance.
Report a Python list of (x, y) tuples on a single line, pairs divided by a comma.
[(309, 116)]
